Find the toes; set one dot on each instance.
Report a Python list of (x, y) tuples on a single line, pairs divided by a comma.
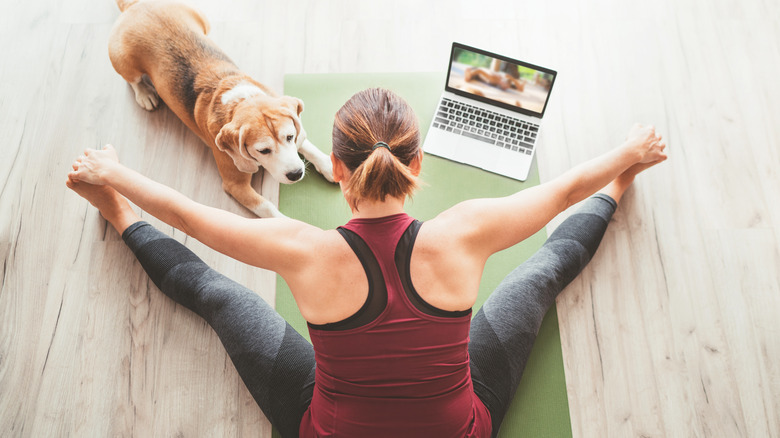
[(142, 101), (144, 104), (148, 101)]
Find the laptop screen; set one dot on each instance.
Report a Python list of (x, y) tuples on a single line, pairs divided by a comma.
[(498, 80)]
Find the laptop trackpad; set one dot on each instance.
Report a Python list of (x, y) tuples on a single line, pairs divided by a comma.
[(477, 153)]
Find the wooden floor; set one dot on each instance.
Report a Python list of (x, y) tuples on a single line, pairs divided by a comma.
[(671, 331)]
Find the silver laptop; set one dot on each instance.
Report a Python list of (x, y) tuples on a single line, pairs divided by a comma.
[(490, 112)]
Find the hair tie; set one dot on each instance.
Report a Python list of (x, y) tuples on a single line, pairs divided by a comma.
[(381, 144)]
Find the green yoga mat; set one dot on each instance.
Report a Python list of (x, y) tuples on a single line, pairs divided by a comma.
[(540, 408)]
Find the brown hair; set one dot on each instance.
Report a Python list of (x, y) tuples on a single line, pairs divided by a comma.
[(370, 117)]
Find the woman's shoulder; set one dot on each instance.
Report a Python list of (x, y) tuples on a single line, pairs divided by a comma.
[(319, 242), (444, 270), (328, 281), (451, 224)]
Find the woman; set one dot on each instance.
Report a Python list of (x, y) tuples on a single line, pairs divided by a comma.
[(388, 299)]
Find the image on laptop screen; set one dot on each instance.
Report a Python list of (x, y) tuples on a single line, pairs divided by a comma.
[(500, 80)]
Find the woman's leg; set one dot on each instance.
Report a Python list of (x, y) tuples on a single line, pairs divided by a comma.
[(274, 361), (504, 329)]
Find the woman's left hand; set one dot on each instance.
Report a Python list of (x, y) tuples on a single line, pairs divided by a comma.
[(93, 166)]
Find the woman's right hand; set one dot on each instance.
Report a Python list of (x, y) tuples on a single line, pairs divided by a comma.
[(650, 144), (93, 165)]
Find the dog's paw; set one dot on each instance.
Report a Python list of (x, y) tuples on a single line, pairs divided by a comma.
[(325, 169), (148, 101), (146, 96), (323, 165), (267, 210), (320, 160)]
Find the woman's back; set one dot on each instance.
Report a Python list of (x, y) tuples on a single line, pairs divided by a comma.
[(398, 365)]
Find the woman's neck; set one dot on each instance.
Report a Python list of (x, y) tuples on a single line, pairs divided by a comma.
[(372, 209)]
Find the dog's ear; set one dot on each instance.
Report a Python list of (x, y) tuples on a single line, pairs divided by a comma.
[(228, 138), (231, 140), (233, 137), (296, 107), (295, 104)]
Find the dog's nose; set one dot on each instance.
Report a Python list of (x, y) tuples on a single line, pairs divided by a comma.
[(295, 175)]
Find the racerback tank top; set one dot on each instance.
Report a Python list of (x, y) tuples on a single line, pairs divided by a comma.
[(398, 367)]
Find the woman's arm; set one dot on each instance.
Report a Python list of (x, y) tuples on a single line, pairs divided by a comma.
[(487, 226), (275, 243)]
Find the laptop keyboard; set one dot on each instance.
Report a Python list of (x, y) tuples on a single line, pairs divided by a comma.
[(485, 125)]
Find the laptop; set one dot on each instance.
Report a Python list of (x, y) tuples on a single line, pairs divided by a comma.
[(490, 112)]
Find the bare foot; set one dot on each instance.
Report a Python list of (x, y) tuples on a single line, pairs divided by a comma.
[(619, 185), (112, 206)]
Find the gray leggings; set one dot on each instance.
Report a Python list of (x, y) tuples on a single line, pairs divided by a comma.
[(277, 364)]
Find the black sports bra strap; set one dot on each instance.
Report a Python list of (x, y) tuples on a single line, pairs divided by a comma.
[(377, 290), (403, 262)]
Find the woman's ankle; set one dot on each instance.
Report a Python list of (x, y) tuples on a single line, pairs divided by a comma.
[(120, 216), (618, 187)]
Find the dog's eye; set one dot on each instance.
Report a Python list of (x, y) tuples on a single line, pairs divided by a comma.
[(290, 138), (265, 151)]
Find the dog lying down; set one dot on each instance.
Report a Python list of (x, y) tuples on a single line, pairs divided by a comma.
[(246, 125)]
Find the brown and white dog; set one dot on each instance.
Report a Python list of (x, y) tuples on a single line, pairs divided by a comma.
[(246, 125)]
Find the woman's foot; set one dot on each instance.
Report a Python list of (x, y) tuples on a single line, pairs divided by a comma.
[(112, 206)]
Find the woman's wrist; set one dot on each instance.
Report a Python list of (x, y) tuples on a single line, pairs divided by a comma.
[(635, 150), (108, 173)]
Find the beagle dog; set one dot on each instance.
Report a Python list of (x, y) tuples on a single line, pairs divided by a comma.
[(246, 125)]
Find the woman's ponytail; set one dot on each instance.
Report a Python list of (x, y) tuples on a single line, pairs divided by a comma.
[(376, 136), (379, 176)]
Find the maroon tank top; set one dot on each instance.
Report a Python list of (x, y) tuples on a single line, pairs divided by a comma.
[(398, 367)]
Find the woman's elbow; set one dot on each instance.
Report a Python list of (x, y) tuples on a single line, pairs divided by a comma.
[(182, 220), (563, 194)]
